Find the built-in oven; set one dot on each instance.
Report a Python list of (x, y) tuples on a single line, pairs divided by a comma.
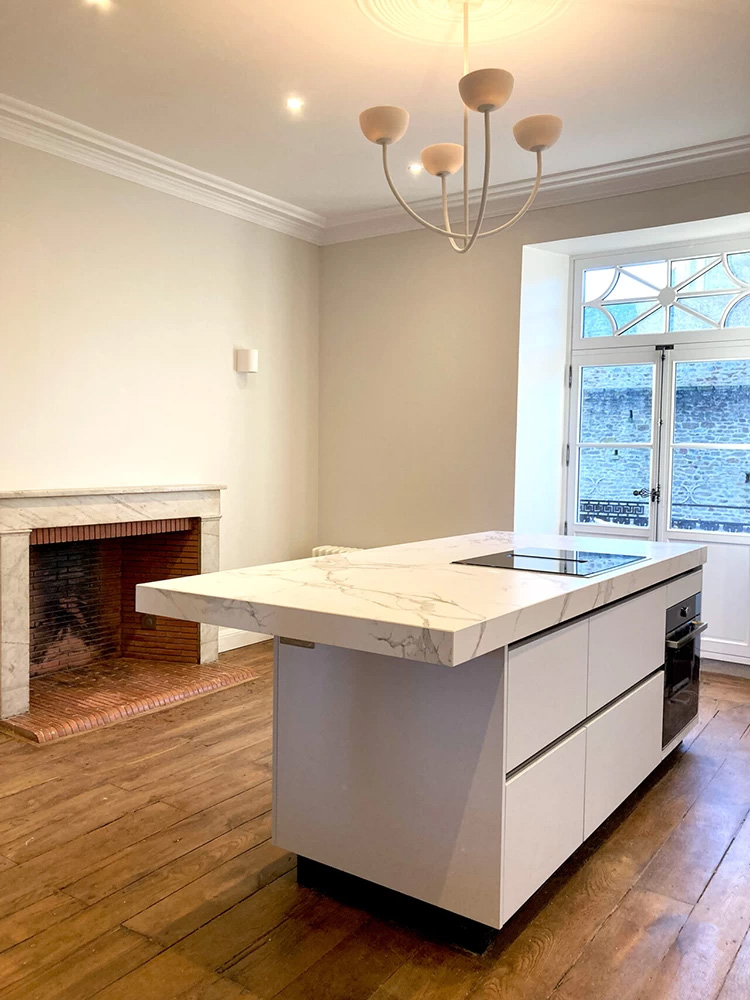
[(682, 666)]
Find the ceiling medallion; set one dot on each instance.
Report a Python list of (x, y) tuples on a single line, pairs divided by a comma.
[(483, 91), (439, 21)]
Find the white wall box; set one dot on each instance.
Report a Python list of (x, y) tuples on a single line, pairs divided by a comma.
[(623, 746), (546, 690), (626, 643), (544, 806)]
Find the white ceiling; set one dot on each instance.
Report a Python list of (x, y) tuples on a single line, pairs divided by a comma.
[(205, 82)]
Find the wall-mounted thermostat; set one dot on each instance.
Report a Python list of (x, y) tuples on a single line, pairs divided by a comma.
[(245, 360)]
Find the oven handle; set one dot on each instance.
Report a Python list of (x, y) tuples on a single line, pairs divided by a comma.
[(679, 643)]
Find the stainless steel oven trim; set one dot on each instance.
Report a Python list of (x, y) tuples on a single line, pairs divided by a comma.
[(680, 643)]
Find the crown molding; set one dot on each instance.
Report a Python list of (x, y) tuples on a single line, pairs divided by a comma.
[(32, 126), (642, 173)]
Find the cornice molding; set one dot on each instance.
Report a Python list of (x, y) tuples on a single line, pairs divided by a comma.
[(642, 173), (32, 126)]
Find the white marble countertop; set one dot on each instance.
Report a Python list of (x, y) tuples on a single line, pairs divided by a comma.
[(409, 600)]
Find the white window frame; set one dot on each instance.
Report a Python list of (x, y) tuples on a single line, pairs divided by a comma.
[(735, 244), (581, 349)]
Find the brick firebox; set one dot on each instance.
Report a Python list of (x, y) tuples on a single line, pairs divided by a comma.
[(82, 592), (121, 524)]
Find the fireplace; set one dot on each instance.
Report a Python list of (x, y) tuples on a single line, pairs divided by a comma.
[(69, 564), (82, 593)]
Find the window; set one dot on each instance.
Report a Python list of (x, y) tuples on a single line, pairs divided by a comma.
[(677, 294), (711, 446)]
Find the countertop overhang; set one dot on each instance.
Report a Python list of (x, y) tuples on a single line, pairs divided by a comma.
[(409, 600)]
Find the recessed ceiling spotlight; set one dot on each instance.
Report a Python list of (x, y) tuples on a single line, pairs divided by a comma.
[(415, 168), (100, 4), (294, 104)]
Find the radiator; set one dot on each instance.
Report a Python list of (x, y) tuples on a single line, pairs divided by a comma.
[(333, 550)]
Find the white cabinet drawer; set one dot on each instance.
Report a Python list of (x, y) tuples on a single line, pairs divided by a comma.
[(546, 690), (626, 644), (543, 819), (623, 746)]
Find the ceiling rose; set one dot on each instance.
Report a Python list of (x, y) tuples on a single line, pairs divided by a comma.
[(439, 21)]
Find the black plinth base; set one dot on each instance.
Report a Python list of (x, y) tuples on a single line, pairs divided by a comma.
[(431, 921)]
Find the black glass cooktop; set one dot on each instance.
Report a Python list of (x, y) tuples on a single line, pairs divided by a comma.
[(567, 562)]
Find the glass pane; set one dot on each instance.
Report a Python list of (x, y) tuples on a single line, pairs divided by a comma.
[(616, 402), (653, 323), (624, 312), (681, 320), (681, 270), (712, 306), (715, 279), (739, 265), (653, 273), (739, 314), (596, 323), (710, 489), (607, 478), (627, 287), (596, 281), (712, 402)]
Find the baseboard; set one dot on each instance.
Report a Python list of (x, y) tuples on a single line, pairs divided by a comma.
[(233, 638), (714, 666)]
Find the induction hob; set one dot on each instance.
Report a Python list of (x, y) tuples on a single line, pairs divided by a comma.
[(566, 562)]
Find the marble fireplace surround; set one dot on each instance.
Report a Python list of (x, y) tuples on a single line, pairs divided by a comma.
[(23, 510)]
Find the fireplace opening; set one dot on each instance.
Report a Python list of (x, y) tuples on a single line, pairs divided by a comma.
[(82, 584)]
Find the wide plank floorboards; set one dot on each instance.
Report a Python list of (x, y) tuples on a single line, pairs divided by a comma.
[(136, 864)]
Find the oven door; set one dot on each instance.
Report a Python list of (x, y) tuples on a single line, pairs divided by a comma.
[(681, 678)]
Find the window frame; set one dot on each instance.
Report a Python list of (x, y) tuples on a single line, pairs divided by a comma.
[(733, 244)]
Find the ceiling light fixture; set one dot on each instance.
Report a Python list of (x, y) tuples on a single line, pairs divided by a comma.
[(483, 91), (294, 104), (99, 4), (415, 168)]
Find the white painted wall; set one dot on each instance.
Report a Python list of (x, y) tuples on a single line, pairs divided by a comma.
[(419, 366), (120, 309), (542, 364)]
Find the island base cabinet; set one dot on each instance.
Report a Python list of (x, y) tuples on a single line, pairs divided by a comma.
[(623, 746), (544, 808)]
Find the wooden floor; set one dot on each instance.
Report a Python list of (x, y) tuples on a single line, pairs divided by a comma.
[(135, 864)]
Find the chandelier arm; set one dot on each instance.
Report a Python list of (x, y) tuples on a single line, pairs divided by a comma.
[(527, 205), (446, 214), (466, 124), (407, 208), (485, 188)]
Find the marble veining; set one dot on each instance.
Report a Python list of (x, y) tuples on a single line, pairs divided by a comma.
[(25, 510), (409, 600)]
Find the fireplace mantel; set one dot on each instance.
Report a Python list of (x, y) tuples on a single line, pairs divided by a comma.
[(21, 511)]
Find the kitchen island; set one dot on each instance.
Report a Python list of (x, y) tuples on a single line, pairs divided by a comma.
[(449, 731)]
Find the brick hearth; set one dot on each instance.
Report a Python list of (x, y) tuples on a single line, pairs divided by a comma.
[(79, 699)]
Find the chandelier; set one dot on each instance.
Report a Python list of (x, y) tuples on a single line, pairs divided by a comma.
[(483, 91)]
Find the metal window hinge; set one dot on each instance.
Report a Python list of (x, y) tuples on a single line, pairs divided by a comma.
[(567, 454), (570, 376), (565, 528)]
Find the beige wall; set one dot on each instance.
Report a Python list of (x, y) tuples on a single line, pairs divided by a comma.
[(419, 355), (120, 309)]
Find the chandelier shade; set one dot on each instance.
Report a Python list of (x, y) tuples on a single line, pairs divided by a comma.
[(443, 158), (384, 125), (482, 91), (485, 89), (537, 132)]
